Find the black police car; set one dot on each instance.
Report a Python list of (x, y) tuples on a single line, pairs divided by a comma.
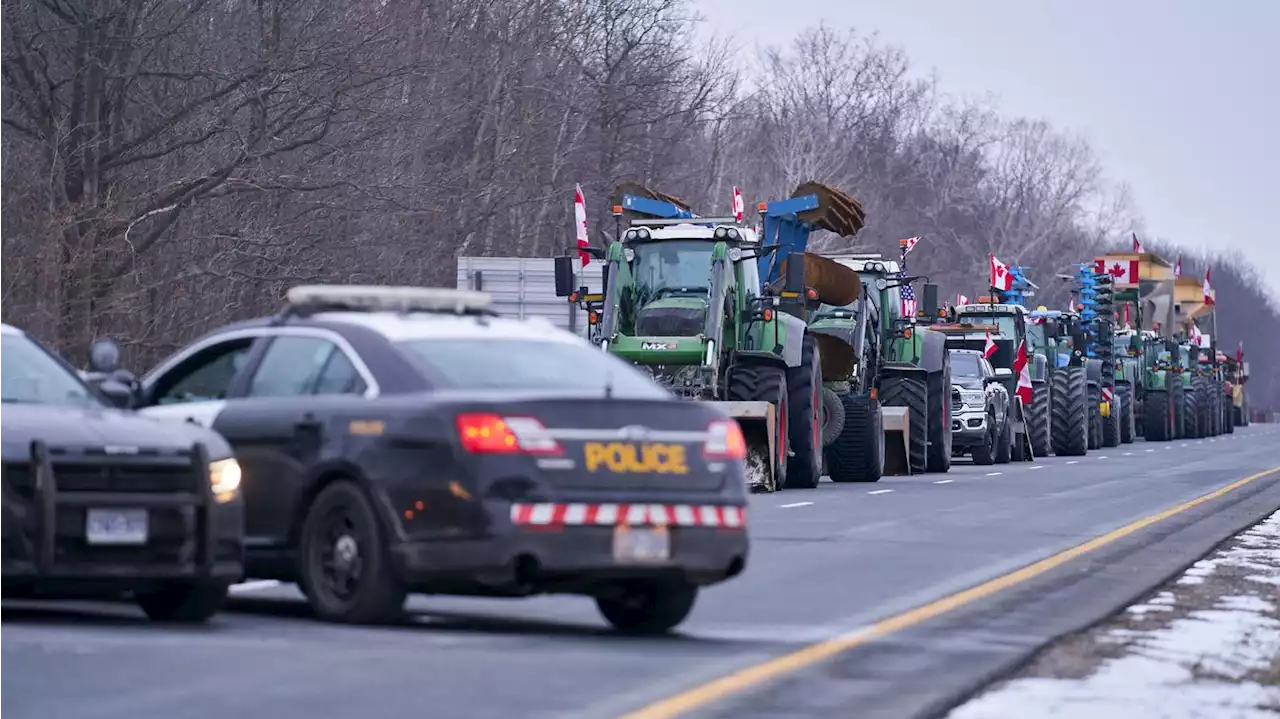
[(101, 502), (407, 439)]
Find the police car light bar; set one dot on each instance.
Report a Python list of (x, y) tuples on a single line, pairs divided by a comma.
[(375, 298)]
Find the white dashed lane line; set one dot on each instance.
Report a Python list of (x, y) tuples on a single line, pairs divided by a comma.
[(1036, 466), (994, 474), (794, 504), (880, 491), (944, 481), (1073, 461)]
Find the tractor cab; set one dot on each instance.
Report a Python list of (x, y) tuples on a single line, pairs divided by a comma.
[(1010, 322)]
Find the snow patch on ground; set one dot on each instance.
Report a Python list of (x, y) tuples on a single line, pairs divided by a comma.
[(1209, 646)]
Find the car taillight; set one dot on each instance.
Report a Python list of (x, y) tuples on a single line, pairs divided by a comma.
[(724, 441), (494, 434)]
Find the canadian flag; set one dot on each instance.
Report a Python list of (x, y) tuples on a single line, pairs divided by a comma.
[(1122, 272), (739, 207), (1208, 289), (989, 348), (1196, 335), (1240, 352), (1000, 277), (1137, 246), (580, 222), (1177, 269), (1021, 366), (908, 244), (961, 300)]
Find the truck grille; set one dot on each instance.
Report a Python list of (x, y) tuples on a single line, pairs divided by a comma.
[(956, 400), (107, 475)]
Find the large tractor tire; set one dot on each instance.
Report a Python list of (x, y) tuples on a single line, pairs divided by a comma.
[(804, 411), (857, 454), (913, 393), (1070, 412), (1124, 400), (1040, 418), (833, 416), (1157, 416), (1111, 423), (1179, 430), (762, 383), (938, 453), (1095, 416), (1228, 414), (1200, 405)]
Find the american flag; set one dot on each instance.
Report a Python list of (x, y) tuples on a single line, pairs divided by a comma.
[(908, 296)]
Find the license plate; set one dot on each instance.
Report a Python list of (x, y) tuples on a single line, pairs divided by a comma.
[(641, 545), (116, 526)]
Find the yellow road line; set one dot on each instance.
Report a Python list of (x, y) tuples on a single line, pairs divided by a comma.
[(749, 677)]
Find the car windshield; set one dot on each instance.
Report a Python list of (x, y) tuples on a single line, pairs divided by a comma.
[(30, 375), (665, 267), (1007, 323), (964, 364), (534, 364)]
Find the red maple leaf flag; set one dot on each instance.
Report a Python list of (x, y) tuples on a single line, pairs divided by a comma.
[(1177, 268), (1137, 246), (1000, 277), (580, 224), (908, 244), (739, 207), (1021, 366), (1240, 352), (1208, 289), (961, 300), (1122, 272), (989, 348)]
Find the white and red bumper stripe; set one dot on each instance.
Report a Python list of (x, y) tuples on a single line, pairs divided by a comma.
[(551, 514)]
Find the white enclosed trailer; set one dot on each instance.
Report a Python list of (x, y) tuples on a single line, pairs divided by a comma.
[(525, 287)]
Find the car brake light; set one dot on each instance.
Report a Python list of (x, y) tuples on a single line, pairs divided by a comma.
[(494, 434), (724, 441)]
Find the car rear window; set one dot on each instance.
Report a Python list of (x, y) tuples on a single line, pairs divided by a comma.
[(528, 364)]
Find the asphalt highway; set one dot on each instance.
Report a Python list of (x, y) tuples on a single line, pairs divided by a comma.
[(814, 627)]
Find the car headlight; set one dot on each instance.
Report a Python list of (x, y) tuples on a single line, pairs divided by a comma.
[(224, 475)]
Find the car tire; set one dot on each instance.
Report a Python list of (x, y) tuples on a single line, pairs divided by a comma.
[(648, 607), (183, 601), (1004, 441), (985, 453), (342, 529)]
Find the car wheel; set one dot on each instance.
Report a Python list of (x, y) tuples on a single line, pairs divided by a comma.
[(184, 601), (648, 607), (345, 569)]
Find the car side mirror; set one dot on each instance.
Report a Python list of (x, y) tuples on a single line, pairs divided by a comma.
[(104, 356), (120, 388), (1003, 372)]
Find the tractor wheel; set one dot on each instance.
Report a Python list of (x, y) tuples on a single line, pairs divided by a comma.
[(804, 410), (912, 393), (1156, 420), (1198, 406), (857, 455), (833, 416), (1111, 423), (1095, 416), (1040, 419), (1228, 414), (1179, 412), (1070, 412), (1124, 400), (938, 457), (760, 383)]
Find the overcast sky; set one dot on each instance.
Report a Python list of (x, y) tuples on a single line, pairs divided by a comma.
[(1180, 98)]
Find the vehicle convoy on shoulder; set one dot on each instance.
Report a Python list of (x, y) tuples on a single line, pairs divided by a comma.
[(714, 314), (980, 424), (406, 439), (1057, 336), (100, 502)]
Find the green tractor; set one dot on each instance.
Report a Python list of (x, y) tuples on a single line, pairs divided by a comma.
[(1058, 336), (689, 300), (886, 377), (1127, 349), (1162, 387)]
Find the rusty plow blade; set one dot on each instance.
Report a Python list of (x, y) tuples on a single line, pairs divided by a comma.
[(836, 284), (836, 211)]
